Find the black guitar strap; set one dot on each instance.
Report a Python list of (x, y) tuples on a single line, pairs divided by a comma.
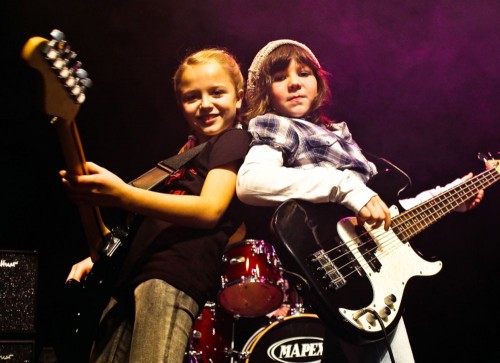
[(391, 186), (148, 227), (152, 178)]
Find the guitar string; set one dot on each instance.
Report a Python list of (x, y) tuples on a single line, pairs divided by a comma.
[(464, 192), (394, 241), (427, 221)]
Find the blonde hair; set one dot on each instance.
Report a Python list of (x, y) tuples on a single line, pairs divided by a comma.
[(210, 55)]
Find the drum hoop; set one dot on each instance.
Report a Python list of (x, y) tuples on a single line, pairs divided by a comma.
[(244, 242), (250, 279), (261, 332), (210, 304)]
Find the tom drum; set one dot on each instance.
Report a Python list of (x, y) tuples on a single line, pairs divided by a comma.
[(252, 284)]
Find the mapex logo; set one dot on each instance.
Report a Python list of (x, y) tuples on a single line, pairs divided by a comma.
[(297, 349)]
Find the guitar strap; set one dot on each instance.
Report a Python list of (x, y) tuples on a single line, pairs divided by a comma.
[(148, 227), (397, 179), (155, 176)]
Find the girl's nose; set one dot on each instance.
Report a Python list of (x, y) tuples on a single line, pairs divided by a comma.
[(293, 80), (205, 102)]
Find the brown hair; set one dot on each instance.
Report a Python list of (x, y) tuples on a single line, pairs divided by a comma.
[(258, 101)]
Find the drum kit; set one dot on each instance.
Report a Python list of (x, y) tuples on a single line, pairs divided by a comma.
[(253, 287)]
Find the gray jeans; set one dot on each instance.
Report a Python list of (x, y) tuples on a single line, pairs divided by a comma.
[(153, 328)]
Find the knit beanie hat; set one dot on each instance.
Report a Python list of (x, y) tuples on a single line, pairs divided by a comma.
[(255, 67)]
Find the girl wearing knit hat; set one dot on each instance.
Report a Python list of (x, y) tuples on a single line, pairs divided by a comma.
[(298, 153)]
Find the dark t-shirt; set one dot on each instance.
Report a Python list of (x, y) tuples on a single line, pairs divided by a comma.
[(191, 259)]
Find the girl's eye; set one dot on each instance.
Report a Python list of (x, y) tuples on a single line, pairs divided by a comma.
[(305, 73), (218, 92), (279, 77), (189, 97)]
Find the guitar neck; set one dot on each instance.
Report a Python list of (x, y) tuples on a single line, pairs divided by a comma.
[(95, 230), (413, 221), (65, 83)]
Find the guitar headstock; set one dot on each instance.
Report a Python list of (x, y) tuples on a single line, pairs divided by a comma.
[(65, 81), (489, 161)]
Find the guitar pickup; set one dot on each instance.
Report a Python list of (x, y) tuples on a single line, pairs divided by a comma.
[(368, 247)]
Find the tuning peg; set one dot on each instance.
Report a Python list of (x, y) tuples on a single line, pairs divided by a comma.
[(484, 157), (57, 35), (64, 60), (86, 82), (82, 73), (81, 86), (56, 45), (66, 65)]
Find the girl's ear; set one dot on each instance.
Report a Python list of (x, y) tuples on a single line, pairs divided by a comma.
[(239, 98)]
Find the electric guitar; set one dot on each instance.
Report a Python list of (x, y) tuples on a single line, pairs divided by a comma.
[(65, 85), (353, 276)]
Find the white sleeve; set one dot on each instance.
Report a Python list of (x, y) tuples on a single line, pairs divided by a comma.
[(428, 194), (264, 181)]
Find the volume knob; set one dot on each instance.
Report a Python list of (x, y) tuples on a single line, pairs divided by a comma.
[(390, 300)]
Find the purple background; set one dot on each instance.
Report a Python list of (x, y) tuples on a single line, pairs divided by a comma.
[(418, 82)]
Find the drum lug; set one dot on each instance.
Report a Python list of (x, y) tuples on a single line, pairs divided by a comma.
[(235, 261), (196, 334)]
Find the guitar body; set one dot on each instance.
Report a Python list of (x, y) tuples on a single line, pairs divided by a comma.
[(339, 273), (355, 276)]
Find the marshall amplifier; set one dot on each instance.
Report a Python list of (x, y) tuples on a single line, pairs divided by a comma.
[(18, 291), (17, 351)]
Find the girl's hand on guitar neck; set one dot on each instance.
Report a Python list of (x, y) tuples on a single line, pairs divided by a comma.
[(99, 187)]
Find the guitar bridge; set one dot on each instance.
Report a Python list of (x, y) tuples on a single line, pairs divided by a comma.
[(329, 269)]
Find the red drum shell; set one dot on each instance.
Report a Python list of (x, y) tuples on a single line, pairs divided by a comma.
[(252, 284), (211, 336)]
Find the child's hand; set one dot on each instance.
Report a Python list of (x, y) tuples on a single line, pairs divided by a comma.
[(471, 203), (80, 270), (375, 212)]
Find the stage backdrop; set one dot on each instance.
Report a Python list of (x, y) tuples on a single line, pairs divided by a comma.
[(418, 83)]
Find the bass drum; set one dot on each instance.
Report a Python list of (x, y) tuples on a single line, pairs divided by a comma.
[(294, 339)]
